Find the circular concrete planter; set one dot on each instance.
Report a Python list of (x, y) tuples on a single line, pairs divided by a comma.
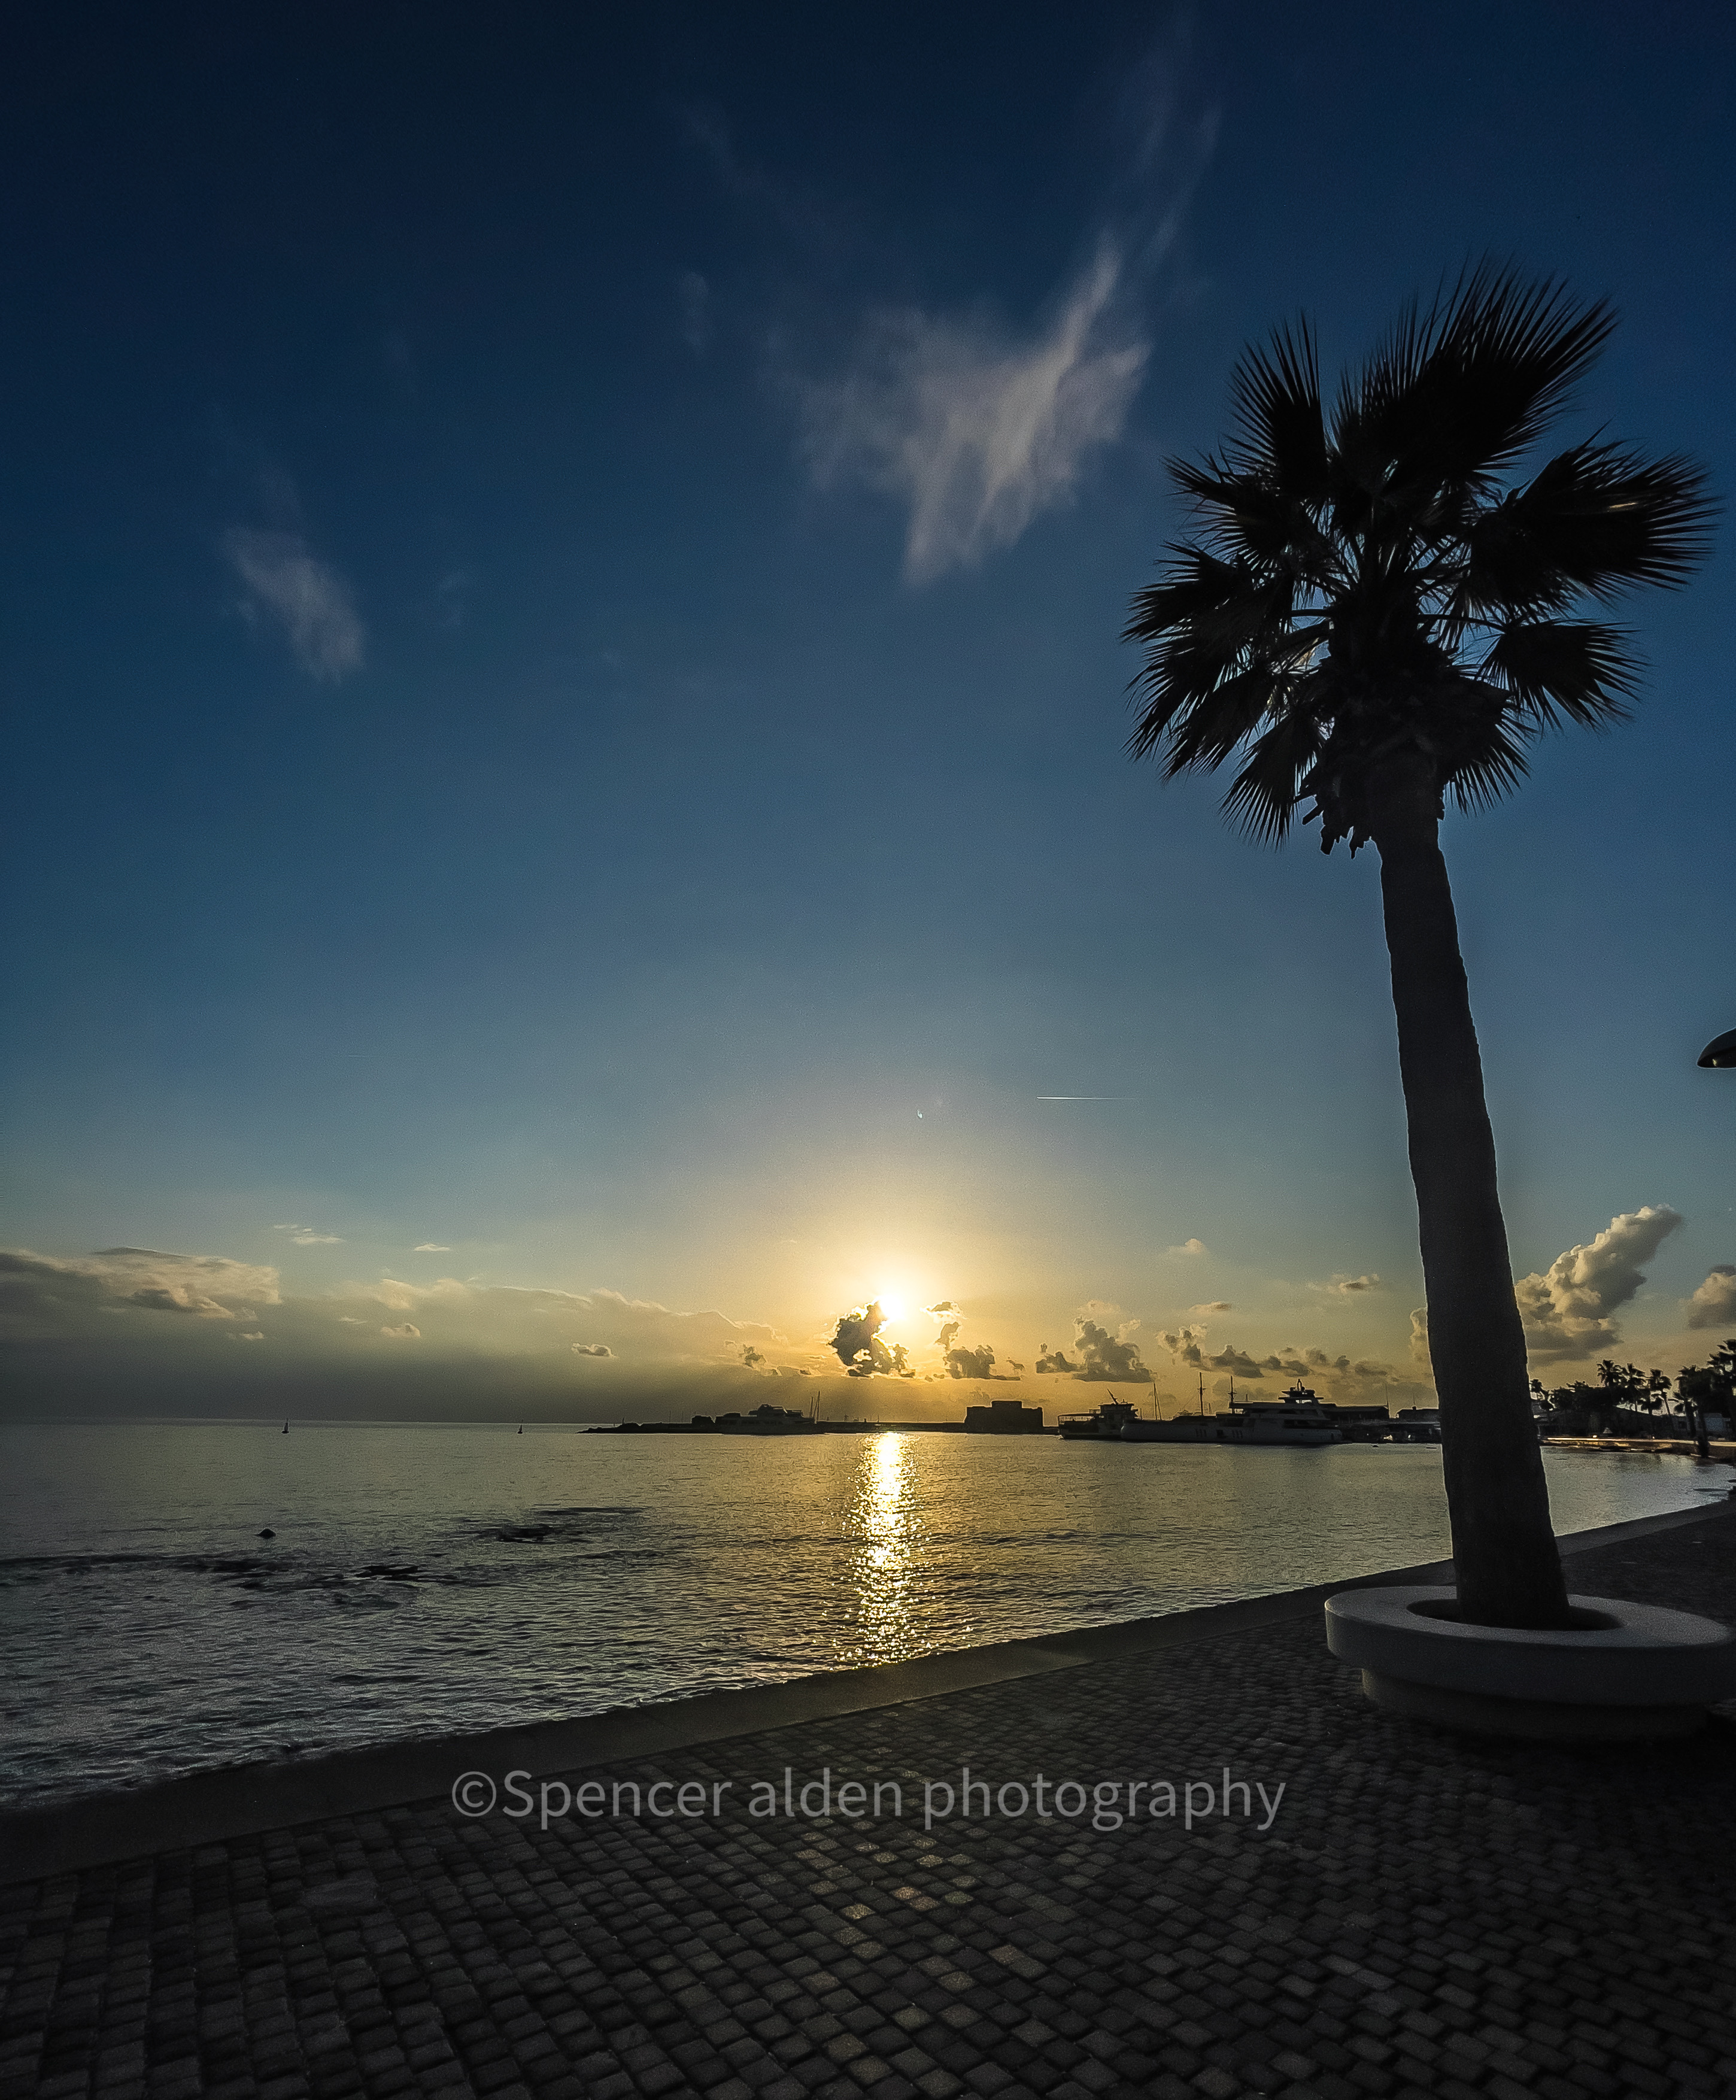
[(1624, 1672)]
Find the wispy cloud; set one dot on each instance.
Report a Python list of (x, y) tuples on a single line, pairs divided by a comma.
[(1714, 1304), (309, 1236), (1348, 1287), (305, 596), (1567, 1307), (450, 603), (405, 1333), (694, 297), (978, 430), (1189, 1246), (591, 1349), (432, 1247)]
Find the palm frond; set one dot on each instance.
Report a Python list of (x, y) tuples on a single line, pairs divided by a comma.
[(1193, 584), (1486, 775), (1263, 795), (1200, 737), (1276, 390), (1595, 519), (1191, 664), (1454, 395), (1249, 519), (1555, 668), (1508, 357)]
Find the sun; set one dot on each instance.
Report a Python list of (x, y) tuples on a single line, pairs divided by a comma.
[(890, 1305)]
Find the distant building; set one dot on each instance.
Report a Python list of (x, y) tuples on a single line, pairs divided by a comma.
[(1361, 1424), (1004, 1417)]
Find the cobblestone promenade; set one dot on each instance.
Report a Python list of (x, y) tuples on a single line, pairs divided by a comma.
[(1418, 1914)]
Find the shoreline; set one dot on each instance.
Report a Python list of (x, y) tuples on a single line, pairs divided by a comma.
[(226, 1801)]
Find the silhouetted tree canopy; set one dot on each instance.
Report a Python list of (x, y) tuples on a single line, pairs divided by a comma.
[(1370, 579)]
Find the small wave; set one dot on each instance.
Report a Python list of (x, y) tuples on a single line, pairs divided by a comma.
[(588, 1509), (28, 1567)]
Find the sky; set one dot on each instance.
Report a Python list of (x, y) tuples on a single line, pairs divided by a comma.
[(567, 824)]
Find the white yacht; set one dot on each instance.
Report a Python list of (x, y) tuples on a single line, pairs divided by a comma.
[(1298, 1418)]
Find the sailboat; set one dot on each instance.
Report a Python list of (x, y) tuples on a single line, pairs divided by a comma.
[(1198, 1429)]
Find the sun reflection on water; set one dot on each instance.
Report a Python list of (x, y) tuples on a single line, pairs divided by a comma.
[(883, 1519)]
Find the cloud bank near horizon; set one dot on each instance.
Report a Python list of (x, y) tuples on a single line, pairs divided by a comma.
[(129, 1326), (123, 1320)]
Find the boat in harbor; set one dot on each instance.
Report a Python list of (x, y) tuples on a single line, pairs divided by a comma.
[(1298, 1419), (768, 1421), (1177, 1429), (1102, 1425), (1195, 1426)]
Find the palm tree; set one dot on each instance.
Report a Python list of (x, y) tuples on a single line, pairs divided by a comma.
[(1375, 615)]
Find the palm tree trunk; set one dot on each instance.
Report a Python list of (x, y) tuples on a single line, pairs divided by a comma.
[(1504, 1555)]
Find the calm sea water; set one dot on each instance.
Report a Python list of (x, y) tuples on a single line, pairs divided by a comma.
[(423, 1579)]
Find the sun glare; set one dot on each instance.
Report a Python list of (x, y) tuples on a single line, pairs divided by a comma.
[(892, 1305)]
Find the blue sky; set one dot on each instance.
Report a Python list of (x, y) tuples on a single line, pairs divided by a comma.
[(566, 715)]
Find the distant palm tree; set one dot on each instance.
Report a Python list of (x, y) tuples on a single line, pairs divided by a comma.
[(1374, 617)]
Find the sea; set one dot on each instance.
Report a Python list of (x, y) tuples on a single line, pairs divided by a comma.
[(180, 1595)]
